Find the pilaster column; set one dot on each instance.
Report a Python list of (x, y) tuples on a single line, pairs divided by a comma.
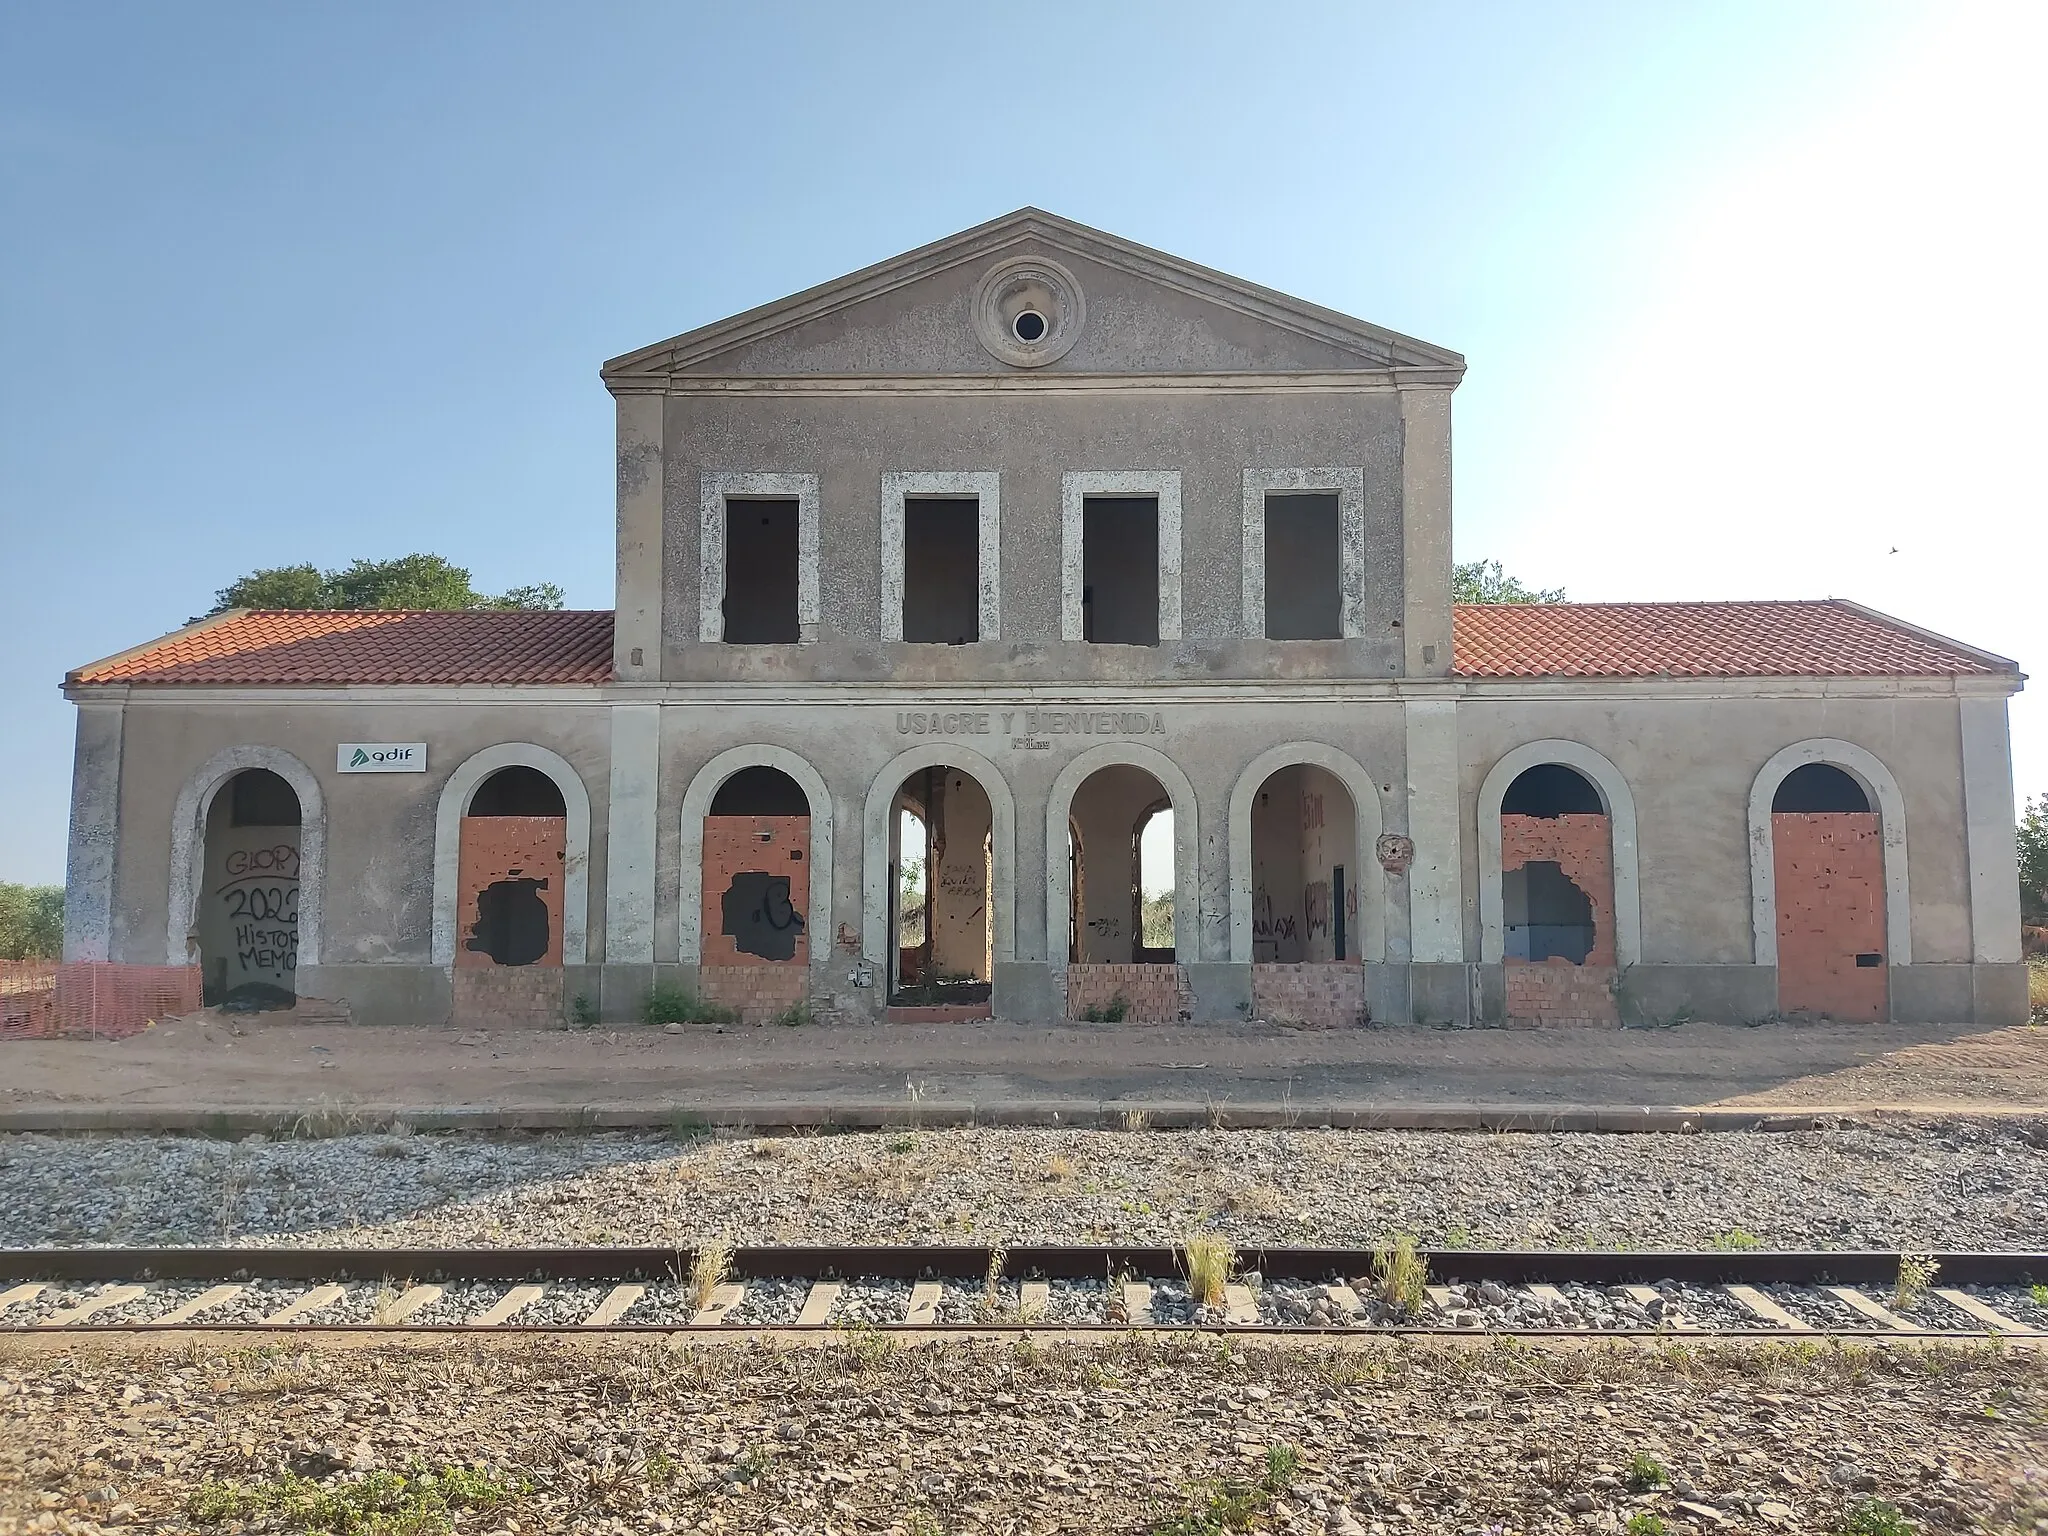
[(95, 829), (1989, 826), (1436, 901), (636, 635), (630, 837), (1426, 531)]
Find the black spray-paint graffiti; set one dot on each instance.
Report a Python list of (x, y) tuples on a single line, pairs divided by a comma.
[(1315, 906), (260, 898), (1105, 927), (757, 915), (1264, 924)]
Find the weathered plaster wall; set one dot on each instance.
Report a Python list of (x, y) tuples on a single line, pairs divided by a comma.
[(1690, 763), (1031, 439), (380, 836)]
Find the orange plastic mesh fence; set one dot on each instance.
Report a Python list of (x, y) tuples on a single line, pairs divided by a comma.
[(45, 1000)]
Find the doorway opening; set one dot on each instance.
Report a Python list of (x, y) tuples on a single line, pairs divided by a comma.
[(942, 889), (509, 890), (761, 562), (249, 906), (942, 570), (1557, 899), (1120, 570)]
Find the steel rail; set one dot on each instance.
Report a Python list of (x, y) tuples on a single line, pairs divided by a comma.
[(1447, 1266)]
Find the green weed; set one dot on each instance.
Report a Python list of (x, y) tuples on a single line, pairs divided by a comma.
[(1643, 1473), (670, 1002), (1643, 1523), (1874, 1517), (582, 1012), (1734, 1240), (420, 1502), (1916, 1274), (1112, 1012)]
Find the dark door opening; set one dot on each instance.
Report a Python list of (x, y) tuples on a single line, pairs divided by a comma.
[(1304, 575), (942, 571), (761, 572), (1120, 570)]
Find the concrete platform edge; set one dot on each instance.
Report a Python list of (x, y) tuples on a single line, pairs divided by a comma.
[(769, 1115)]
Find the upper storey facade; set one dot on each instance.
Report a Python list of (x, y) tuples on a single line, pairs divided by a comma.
[(1034, 452)]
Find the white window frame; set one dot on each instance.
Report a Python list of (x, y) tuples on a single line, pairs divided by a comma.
[(986, 487), (1076, 486), (1349, 488), (722, 486)]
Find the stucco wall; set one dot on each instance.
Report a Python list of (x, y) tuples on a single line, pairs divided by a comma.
[(1690, 763), (850, 442), (378, 880)]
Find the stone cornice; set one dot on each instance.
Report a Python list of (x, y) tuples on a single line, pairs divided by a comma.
[(1346, 381)]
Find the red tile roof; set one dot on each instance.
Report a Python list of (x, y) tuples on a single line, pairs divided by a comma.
[(1831, 638), (324, 649), (1828, 638)]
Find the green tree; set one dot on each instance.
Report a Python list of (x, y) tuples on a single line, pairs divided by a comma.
[(410, 581), (2033, 841), (1483, 581), (31, 921)]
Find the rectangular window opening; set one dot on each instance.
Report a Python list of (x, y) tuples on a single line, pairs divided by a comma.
[(942, 570), (761, 571), (1120, 570), (1304, 587)]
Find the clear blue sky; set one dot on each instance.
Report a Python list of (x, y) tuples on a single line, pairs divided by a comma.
[(1750, 292)]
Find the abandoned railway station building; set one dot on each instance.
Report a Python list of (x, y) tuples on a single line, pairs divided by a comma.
[(965, 601)]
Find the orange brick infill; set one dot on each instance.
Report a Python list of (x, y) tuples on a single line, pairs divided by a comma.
[(775, 848), (757, 993), (496, 848), (1583, 848), (1552, 994), (1152, 994), (1829, 873), (509, 996), (1328, 995)]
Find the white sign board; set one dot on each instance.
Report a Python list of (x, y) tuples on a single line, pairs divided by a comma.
[(381, 757)]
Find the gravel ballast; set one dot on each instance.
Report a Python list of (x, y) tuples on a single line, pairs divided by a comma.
[(1958, 1185)]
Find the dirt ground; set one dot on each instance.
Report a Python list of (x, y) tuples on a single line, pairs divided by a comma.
[(208, 1061), (1192, 1437)]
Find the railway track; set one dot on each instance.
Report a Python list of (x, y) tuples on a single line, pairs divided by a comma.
[(968, 1289)]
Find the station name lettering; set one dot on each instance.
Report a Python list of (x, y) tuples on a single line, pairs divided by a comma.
[(1031, 722)]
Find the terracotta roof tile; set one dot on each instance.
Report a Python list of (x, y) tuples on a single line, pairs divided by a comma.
[(1828, 638), (283, 649)]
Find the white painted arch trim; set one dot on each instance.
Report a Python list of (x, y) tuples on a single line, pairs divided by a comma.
[(697, 805), (1187, 844), (987, 489), (1075, 488), (188, 847), (874, 863), (1621, 821), (717, 488), (456, 795), (1883, 792), (1365, 808), (1349, 488)]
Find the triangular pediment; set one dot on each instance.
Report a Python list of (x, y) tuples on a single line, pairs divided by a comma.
[(1140, 312)]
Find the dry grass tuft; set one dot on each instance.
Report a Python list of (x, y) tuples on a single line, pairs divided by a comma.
[(1059, 1169), (1916, 1274), (709, 1266), (1210, 1257), (1400, 1277)]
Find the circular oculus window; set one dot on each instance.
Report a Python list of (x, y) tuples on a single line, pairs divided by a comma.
[(1028, 311)]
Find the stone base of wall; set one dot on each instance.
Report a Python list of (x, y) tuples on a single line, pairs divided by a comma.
[(508, 996), (1328, 995), (1555, 994), (757, 993), (939, 1013), (1152, 994)]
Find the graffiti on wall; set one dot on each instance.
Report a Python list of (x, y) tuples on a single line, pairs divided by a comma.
[(1315, 908), (250, 926)]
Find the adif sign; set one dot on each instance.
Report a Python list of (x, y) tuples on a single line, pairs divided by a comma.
[(381, 757)]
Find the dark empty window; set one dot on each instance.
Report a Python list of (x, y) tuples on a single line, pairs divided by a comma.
[(1304, 576), (518, 791), (760, 792), (512, 924), (761, 572), (1551, 789), (259, 798), (1120, 570), (1819, 787), (942, 570), (1547, 915)]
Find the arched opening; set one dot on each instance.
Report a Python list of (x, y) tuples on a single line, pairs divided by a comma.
[(1124, 836), (756, 895), (509, 885), (249, 905), (1304, 868), (1152, 884), (1557, 898), (942, 883), (1827, 857)]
